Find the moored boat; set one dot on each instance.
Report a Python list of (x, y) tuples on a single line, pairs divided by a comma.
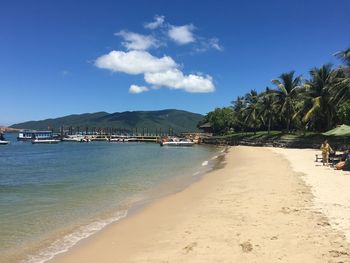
[(47, 141), (28, 135), (176, 142), (123, 139), (3, 140), (76, 138)]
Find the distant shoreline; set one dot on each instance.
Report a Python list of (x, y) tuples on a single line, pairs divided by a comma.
[(8, 129)]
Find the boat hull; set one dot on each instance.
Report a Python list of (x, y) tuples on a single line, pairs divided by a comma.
[(52, 141), (76, 139), (179, 144)]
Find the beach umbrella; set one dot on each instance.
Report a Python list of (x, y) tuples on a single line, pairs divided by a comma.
[(342, 130)]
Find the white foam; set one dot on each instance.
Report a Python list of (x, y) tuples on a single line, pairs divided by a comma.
[(196, 173), (64, 244), (205, 163), (215, 157)]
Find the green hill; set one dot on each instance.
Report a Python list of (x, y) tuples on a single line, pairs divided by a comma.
[(178, 120)]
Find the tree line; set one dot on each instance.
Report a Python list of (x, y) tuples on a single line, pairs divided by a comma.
[(315, 104)]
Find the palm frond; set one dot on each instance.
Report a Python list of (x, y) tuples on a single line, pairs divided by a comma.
[(315, 107)]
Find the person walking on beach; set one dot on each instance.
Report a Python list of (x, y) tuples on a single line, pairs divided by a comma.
[(326, 150)]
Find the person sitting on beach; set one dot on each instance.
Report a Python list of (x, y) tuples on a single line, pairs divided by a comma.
[(344, 163), (326, 150), (345, 155)]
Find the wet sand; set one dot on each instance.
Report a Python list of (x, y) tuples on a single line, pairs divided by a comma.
[(254, 209)]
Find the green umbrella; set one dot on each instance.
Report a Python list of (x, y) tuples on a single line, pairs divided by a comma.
[(342, 130)]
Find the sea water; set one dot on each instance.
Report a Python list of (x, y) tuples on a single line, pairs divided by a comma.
[(52, 196)]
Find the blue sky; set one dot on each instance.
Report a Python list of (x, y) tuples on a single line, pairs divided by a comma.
[(67, 57)]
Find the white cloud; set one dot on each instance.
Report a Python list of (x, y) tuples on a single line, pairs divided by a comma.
[(135, 41), (158, 22), (158, 72), (134, 89), (214, 43), (182, 34), (134, 62), (175, 79), (204, 44)]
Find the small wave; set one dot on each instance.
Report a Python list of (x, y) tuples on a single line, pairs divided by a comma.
[(196, 173), (205, 163), (215, 157), (68, 241)]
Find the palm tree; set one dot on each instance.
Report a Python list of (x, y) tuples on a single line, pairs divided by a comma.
[(238, 107), (252, 111), (287, 87), (341, 88), (266, 106), (318, 91), (344, 56)]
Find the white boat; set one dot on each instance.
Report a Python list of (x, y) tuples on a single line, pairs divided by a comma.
[(123, 139), (28, 135), (176, 142), (3, 140), (47, 141), (71, 139), (76, 138), (129, 140)]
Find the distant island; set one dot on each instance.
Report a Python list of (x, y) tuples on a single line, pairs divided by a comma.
[(176, 120)]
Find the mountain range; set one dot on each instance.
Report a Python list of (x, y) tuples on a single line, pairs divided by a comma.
[(177, 120)]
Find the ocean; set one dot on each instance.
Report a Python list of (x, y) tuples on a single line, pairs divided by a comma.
[(52, 196)]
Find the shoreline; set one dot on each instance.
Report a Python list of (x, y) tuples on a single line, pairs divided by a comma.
[(69, 238), (229, 214)]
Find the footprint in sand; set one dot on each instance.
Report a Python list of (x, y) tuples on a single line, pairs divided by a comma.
[(190, 247), (288, 210), (337, 253), (323, 223), (246, 247)]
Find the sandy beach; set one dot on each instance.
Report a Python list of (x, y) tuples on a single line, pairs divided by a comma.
[(263, 205)]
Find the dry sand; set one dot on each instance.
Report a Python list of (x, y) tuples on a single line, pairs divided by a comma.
[(255, 209), (330, 188)]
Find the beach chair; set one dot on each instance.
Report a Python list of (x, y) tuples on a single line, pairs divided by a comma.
[(318, 157), (335, 158)]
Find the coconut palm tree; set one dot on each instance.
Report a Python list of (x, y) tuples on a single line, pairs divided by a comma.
[(341, 88), (344, 56), (251, 111), (266, 106), (238, 107), (318, 91), (287, 87)]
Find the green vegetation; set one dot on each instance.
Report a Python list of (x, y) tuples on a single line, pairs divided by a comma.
[(343, 113), (301, 106), (139, 121), (265, 135), (221, 120)]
